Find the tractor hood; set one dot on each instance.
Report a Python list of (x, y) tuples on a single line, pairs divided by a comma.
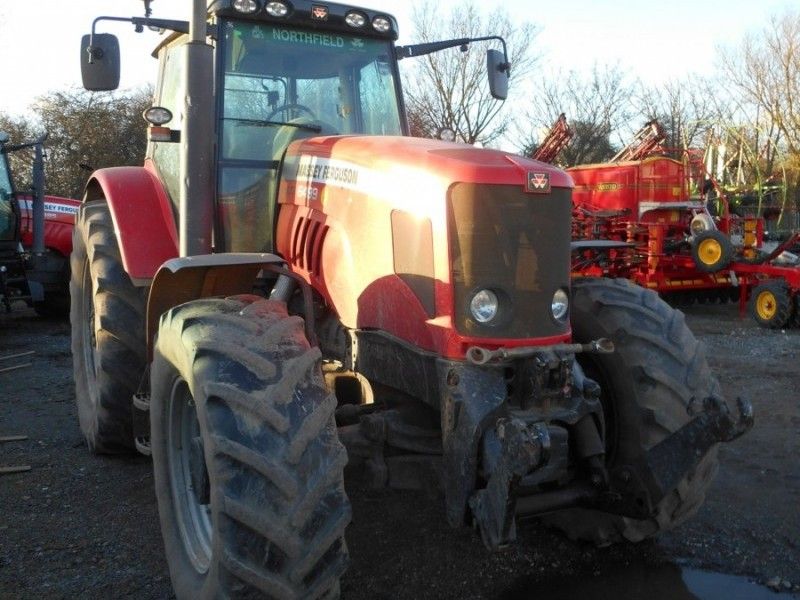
[(395, 166), (398, 233)]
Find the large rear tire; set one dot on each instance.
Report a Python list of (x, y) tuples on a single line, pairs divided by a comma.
[(248, 466), (108, 342), (648, 383)]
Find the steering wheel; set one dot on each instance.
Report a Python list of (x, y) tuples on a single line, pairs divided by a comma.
[(292, 106)]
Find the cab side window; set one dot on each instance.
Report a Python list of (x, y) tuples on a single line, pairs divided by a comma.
[(170, 95)]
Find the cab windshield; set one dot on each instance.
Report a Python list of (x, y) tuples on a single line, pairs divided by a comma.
[(281, 84)]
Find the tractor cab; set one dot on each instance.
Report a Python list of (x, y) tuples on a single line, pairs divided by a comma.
[(267, 74), (279, 81)]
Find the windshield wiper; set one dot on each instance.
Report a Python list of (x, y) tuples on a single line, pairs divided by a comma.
[(257, 123)]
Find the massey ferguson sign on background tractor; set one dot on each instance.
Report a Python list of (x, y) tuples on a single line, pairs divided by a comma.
[(290, 283), (35, 238)]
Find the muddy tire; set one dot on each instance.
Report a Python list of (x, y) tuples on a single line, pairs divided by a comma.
[(248, 466), (108, 343), (647, 384), (771, 305), (712, 251)]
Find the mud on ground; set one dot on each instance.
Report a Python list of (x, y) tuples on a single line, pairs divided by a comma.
[(77, 525)]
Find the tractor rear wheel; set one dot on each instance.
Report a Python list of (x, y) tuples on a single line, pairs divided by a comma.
[(247, 462), (712, 251), (657, 368), (108, 344), (771, 304)]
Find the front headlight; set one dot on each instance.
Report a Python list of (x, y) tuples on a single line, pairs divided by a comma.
[(484, 306), (560, 305)]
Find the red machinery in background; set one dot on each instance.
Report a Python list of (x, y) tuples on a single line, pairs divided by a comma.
[(647, 217), (35, 238), (558, 138)]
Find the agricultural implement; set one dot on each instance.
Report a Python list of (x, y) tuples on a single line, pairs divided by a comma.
[(35, 238), (290, 275), (636, 217)]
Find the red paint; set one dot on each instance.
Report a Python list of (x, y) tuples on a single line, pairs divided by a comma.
[(59, 219), (142, 215), (623, 186), (351, 202)]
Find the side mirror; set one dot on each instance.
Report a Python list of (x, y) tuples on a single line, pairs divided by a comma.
[(497, 68), (100, 62)]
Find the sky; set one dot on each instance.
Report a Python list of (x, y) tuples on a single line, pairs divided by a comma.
[(652, 41)]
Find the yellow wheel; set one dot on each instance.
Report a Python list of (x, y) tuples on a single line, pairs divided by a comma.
[(766, 305), (771, 304), (709, 251), (712, 251)]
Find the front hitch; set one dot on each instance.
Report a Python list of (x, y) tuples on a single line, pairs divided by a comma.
[(481, 356)]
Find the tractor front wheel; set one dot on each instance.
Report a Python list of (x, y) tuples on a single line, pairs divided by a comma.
[(771, 304), (647, 384), (712, 251), (248, 466)]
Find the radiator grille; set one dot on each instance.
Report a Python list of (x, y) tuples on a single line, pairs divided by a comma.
[(516, 244)]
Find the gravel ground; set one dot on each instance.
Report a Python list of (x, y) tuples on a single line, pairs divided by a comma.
[(80, 526)]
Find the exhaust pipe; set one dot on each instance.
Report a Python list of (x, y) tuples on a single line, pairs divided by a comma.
[(37, 206)]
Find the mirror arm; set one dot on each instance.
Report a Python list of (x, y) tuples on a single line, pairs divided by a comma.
[(140, 23), (428, 48)]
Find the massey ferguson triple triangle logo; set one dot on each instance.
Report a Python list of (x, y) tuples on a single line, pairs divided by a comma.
[(320, 13), (538, 183)]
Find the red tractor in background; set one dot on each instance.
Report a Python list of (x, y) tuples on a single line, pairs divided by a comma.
[(35, 238), (290, 275)]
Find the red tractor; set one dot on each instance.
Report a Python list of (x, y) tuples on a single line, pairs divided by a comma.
[(290, 283), (35, 238)]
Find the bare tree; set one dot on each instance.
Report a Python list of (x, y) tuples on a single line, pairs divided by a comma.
[(597, 107), (765, 70), (448, 88), (687, 109)]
